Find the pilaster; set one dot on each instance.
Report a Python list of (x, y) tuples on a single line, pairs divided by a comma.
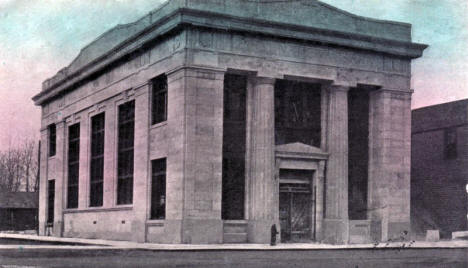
[(389, 159), (319, 206), (203, 134), (60, 201), (110, 147), (84, 164), (263, 188), (336, 188), (141, 163), (43, 182)]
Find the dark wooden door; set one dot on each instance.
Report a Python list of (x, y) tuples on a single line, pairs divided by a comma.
[(295, 216)]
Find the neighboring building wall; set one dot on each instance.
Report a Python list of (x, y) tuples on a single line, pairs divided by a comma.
[(438, 180), (18, 210)]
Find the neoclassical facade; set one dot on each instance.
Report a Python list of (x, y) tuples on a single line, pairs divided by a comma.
[(208, 121)]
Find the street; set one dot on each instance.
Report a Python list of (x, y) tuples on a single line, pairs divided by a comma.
[(352, 258)]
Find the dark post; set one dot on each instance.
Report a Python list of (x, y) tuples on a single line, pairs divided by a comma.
[(37, 182), (274, 232)]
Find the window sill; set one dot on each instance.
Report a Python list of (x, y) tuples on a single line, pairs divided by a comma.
[(157, 223), (158, 125), (97, 209)]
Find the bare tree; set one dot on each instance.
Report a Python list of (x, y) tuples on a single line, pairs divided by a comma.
[(18, 168)]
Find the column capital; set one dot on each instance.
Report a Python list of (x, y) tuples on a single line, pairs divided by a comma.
[(262, 80), (342, 88), (396, 91), (61, 123), (195, 71)]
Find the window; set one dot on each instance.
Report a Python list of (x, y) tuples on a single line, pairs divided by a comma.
[(297, 112), (97, 160), (234, 142), (126, 135), (50, 201), (158, 189), (450, 149), (52, 140), (73, 165), (358, 152), (159, 101)]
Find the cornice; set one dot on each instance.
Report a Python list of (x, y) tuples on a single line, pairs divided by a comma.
[(183, 18)]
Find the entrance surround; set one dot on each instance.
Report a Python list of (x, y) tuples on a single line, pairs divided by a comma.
[(299, 156)]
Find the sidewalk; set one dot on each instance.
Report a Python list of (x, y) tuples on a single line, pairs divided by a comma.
[(110, 244)]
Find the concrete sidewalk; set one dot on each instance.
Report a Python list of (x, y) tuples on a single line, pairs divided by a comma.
[(110, 244)]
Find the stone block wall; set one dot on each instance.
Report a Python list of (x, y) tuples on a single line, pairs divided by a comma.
[(123, 82), (389, 171)]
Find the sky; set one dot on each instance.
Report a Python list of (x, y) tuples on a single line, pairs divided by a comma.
[(39, 37)]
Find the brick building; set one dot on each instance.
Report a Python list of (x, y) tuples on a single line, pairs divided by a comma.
[(439, 168), (210, 121)]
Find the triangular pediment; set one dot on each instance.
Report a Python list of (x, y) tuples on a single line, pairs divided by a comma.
[(300, 149)]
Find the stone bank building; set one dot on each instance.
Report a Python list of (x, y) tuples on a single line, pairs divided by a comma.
[(208, 121)]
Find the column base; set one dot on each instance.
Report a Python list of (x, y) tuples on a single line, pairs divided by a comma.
[(138, 231), (198, 231), (167, 233), (58, 228), (399, 231), (259, 231), (335, 231)]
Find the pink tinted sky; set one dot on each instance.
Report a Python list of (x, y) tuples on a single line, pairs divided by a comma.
[(37, 38)]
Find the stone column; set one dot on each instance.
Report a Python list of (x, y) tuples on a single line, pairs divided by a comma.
[(141, 163), (336, 188), (264, 198), (60, 176), (203, 148), (43, 180), (390, 160)]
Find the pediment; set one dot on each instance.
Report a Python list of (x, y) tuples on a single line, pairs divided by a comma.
[(301, 150)]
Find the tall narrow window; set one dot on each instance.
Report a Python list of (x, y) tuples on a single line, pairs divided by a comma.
[(450, 150), (358, 152), (158, 189), (234, 142), (50, 201), (159, 101), (73, 165), (52, 140), (125, 153), (97, 160)]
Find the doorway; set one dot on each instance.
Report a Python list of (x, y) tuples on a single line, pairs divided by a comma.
[(296, 206)]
